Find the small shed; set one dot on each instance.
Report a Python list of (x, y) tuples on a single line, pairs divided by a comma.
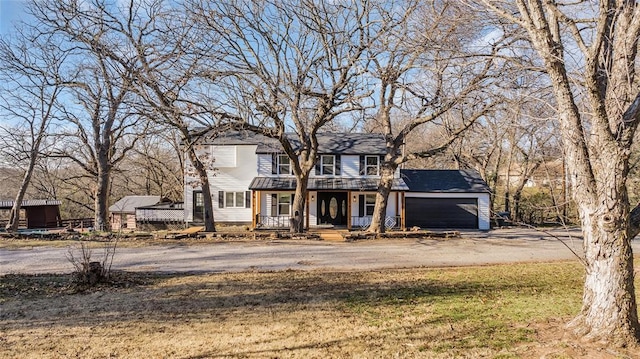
[(123, 212), (446, 199), (39, 213)]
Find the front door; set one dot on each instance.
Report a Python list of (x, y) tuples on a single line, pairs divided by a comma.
[(332, 208)]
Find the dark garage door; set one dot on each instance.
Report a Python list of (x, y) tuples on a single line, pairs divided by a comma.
[(442, 212)]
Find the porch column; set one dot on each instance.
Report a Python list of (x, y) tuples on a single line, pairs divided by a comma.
[(403, 214), (255, 206), (349, 214), (306, 216), (398, 208)]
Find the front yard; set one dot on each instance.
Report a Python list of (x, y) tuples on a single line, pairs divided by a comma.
[(494, 311)]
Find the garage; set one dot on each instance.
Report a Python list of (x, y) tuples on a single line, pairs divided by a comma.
[(442, 212), (446, 199)]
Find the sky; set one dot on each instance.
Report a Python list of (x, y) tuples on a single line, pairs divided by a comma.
[(10, 10)]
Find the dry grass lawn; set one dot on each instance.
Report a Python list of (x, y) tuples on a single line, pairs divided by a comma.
[(507, 311)]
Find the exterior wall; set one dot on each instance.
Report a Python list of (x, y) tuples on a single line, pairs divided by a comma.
[(117, 222), (266, 199), (484, 222), (313, 208), (264, 165), (364, 221), (188, 201), (263, 209), (228, 176), (349, 167)]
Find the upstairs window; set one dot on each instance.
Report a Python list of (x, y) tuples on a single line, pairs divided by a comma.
[(284, 165), (372, 165), (327, 165)]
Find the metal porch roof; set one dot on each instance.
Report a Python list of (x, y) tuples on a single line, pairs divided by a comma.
[(324, 184)]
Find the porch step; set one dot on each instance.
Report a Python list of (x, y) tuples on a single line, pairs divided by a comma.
[(332, 235)]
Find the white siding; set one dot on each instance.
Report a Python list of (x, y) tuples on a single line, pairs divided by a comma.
[(226, 179), (394, 197), (224, 156), (483, 204), (234, 179), (391, 203), (264, 164), (484, 212), (313, 208), (350, 166)]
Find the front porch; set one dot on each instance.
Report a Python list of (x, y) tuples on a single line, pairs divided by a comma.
[(345, 203), (355, 223)]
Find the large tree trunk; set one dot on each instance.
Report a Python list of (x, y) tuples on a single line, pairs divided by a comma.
[(609, 306), (382, 198), (299, 203), (609, 303), (14, 215), (101, 215), (209, 221), (598, 167)]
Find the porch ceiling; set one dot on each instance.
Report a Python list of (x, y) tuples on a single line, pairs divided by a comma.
[(345, 184)]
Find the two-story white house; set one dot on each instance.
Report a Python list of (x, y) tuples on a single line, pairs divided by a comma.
[(252, 183)]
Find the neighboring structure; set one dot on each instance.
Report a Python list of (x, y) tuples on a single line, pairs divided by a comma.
[(39, 213), (123, 212), (164, 215), (548, 173), (252, 184)]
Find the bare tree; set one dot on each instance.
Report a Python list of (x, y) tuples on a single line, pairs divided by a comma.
[(153, 168), (422, 73), (289, 66), (598, 106), (162, 50), (29, 100), (481, 149), (101, 126)]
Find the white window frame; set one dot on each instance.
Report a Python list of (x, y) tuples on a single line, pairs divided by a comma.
[(369, 204), (231, 199), (367, 166), (323, 165), (284, 201), (284, 160)]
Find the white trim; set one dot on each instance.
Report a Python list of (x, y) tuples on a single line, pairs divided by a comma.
[(332, 166), (367, 166), (278, 164)]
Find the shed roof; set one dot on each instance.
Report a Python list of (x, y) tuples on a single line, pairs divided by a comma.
[(128, 204), (30, 203), (460, 181), (328, 142), (339, 183)]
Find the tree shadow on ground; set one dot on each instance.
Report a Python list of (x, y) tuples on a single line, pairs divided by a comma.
[(163, 297)]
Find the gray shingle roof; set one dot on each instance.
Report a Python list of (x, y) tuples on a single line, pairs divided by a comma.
[(444, 181), (128, 204), (328, 142), (339, 183)]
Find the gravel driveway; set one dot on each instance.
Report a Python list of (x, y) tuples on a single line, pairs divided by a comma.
[(474, 248)]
